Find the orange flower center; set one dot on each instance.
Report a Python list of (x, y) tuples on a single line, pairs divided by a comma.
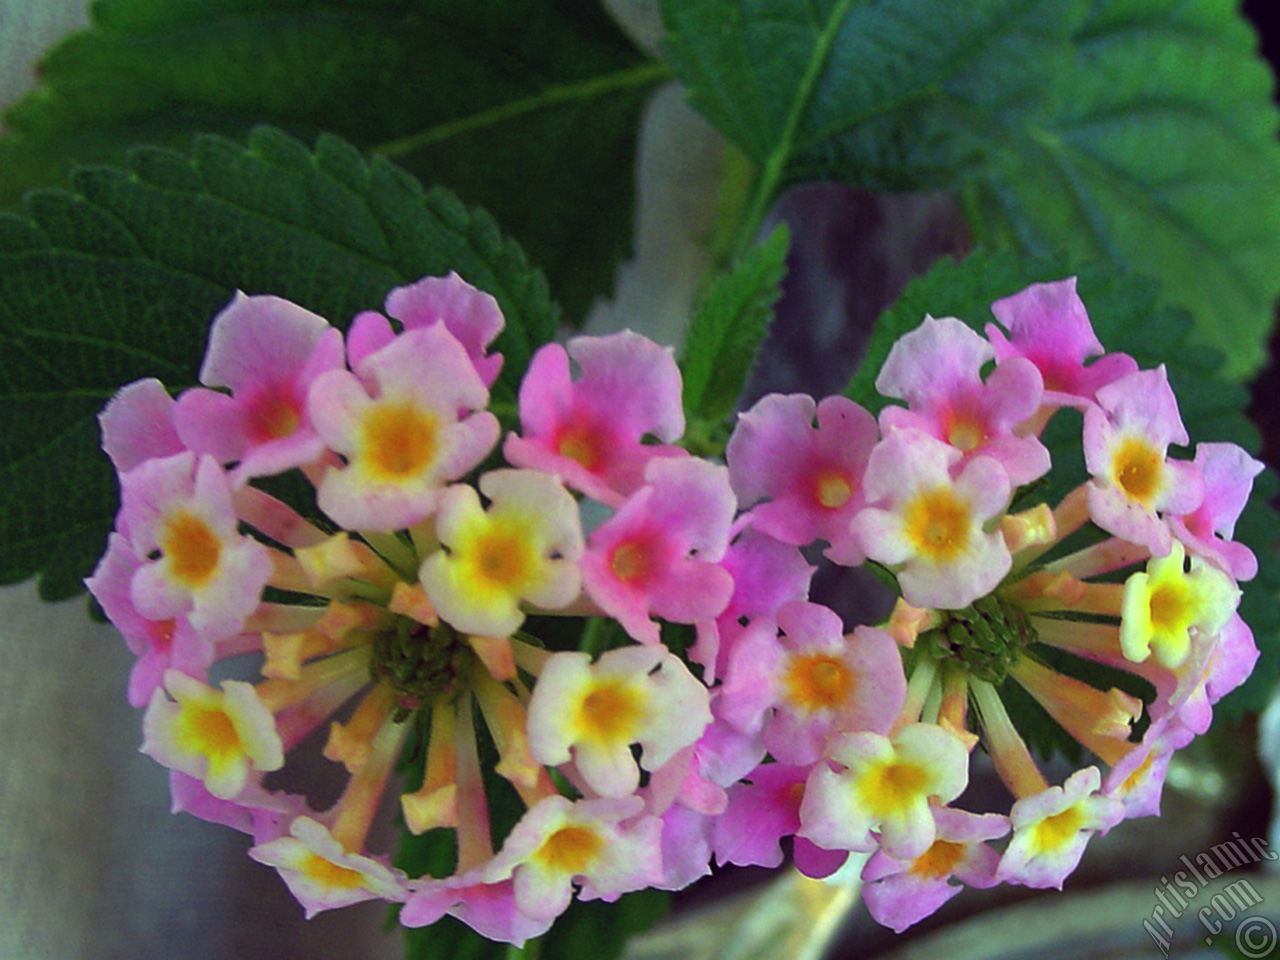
[(570, 849), (611, 712), (192, 549), (939, 860), (937, 523), (400, 441), (1137, 468), (329, 874), (818, 681)]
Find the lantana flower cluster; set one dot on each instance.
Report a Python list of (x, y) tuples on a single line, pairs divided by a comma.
[(733, 715)]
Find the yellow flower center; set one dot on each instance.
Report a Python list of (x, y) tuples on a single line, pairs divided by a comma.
[(570, 850), (818, 681), (1172, 607), (611, 712), (192, 549), (503, 557), (211, 732), (965, 433), (937, 523), (892, 787), (831, 489), (329, 874), (400, 441), (1138, 468), (939, 860), (1133, 779), (1055, 832)]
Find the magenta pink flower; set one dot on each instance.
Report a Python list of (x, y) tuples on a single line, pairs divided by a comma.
[(589, 432), (398, 423), (1048, 325), (899, 893), (1228, 473), (936, 369), (137, 425), (766, 574), (472, 316), (487, 908), (266, 351), (180, 512), (657, 556), (811, 682), (158, 644), (811, 475)]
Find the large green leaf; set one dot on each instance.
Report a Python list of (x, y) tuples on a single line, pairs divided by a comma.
[(1161, 154), (526, 107), (119, 279), (1128, 316), (1135, 131)]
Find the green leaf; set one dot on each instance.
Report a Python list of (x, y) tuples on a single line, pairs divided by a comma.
[(119, 280), (1161, 155), (525, 107), (1139, 132), (728, 328), (1128, 315)]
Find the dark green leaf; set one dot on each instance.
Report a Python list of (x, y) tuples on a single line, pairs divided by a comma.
[(120, 279), (1161, 155), (595, 930), (1139, 132), (526, 107), (728, 328)]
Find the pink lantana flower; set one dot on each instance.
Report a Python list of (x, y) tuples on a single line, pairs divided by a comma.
[(589, 432), (398, 425), (137, 425), (1051, 829), (158, 644), (595, 712), (658, 554), (1126, 436), (932, 527), (1138, 779), (322, 875), (899, 893), (1049, 326), (887, 785), (487, 908), (766, 574), (217, 735), (178, 514), (811, 475), (760, 813), (936, 369), (267, 351), (600, 844), (812, 681), (524, 548), (471, 315), (1228, 473)]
